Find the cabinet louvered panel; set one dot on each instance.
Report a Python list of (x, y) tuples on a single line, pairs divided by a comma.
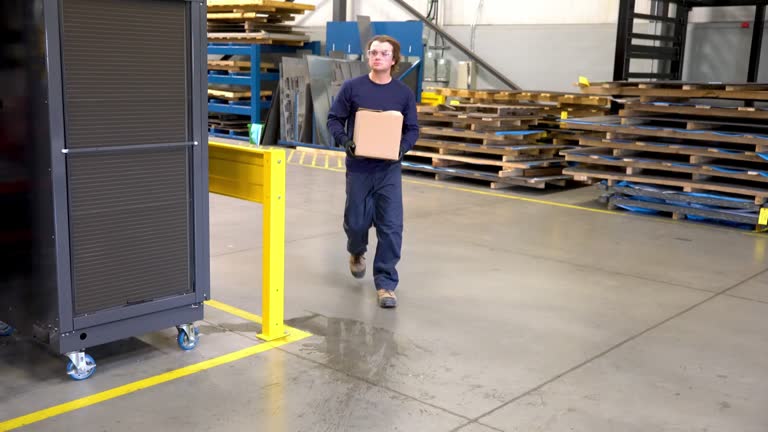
[(125, 80), (130, 237)]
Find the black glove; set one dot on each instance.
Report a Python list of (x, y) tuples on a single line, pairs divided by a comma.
[(349, 146), (401, 155)]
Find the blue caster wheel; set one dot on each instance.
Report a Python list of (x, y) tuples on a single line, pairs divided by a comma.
[(79, 375), (5, 329), (184, 341)]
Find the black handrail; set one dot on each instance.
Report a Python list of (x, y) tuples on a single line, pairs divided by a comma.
[(458, 45)]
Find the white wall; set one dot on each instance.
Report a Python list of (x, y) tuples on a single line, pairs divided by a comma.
[(463, 12), (508, 12), (723, 14), (322, 14)]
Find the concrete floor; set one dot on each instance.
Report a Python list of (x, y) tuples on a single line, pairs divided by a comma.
[(514, 316)]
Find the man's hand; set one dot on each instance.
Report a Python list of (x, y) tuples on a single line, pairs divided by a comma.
[(349, 146)]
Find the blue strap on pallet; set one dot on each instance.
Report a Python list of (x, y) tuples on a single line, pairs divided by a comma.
[(518, 132), (729, 134), (728, 170)]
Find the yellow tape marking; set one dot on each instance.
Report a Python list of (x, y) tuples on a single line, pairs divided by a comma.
[(551, 203), (294, 335)]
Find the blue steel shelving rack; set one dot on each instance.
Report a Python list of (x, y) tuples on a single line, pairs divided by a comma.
[(252, 79)]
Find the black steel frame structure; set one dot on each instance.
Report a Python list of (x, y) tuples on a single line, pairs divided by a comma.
[(672, 46)]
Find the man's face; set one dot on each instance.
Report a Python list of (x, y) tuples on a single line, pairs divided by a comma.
[(380, 58)]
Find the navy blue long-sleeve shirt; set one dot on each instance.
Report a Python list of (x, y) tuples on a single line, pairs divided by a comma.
[(362, 92)]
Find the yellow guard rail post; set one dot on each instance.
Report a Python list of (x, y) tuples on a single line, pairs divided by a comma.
[(258, 174)]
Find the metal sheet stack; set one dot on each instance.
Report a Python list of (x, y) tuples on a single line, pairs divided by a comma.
[(691, 150), (505, 138), (255, 21), (308, 86)]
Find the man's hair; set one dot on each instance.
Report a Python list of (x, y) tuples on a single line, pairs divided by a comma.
[(395, 47)]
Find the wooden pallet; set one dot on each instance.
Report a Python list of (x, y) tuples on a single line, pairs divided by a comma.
[(504, 153), (760, 195), (678, 212), (228, 120), (489, 142), (614, 127), (263, 38), (505, 96), (504, 168), (239, 66), (255, 21), (702, 110), (682, 85), (679, 90), (479, 123), (695, 153), (562, 99), (751, 173), (485, 138), (257, 6), (745, 126), (251, 27), (234, 95), (254, 18), (490, 179), (671, 201), (496, 109)]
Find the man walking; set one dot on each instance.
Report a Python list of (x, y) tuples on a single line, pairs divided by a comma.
[(374, 187)]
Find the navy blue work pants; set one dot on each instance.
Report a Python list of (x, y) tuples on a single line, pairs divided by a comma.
[(376, 199)]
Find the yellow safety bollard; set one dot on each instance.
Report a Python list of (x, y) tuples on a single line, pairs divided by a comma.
[(273, 262), (258, 174)]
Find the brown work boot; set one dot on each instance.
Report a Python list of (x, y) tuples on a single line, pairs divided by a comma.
[(357, 266), (387, 298)]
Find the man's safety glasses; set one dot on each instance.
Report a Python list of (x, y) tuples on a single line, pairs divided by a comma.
[(375, 53)]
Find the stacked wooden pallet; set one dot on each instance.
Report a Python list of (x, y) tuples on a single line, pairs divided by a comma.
[(655, 90), (228, 124), (553, 105), (493, 143), (679, 148), (233, 124), (510, 138), (255, 21)]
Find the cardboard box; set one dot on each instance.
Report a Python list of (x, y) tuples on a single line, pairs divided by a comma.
[(378, 134)]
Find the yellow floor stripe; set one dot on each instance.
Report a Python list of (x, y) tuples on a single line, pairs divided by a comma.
[(234, 311), (493, 194), (516, 198), (754, 233), (292, 332), (38, 416), (301, 159), (314, 159)]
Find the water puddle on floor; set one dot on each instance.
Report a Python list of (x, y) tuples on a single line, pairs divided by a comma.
[(351, 346)]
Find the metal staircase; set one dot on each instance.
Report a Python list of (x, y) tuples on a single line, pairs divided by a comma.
[(653, 40), (650, 41)]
